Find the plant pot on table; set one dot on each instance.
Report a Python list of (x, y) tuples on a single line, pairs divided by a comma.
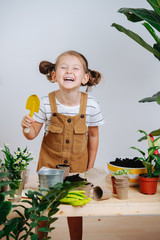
[(148, 185)]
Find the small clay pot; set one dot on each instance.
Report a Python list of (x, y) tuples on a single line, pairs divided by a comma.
[(65, 168), (101, 193), (148, 185)]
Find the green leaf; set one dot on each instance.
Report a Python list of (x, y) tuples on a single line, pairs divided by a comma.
[(5, 208), (41, 208), (142, 138), (34, 236), (157, 158), (10, 226), (142, 14), (152, 32), (136, 38), (2, 234), (53, 211), (151, 150), (155, 4), (52, 221), (42, 218), (156, 132), (33, 216), (38, 193), (158, 100), (139, 150), (33, 224), (43, 229), (150, 99), (5, 183), (142, 131), (156, 142), (2, 197), (3, 174), (26, 213)]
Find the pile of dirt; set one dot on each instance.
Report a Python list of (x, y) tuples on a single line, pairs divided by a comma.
[(74, 178), (127, 162)]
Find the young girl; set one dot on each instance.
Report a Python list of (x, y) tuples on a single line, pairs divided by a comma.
[(71, 120)]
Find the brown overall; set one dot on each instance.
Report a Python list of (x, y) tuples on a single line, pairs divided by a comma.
[(67, 139)]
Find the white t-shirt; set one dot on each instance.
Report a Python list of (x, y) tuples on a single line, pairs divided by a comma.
[(93, 113)]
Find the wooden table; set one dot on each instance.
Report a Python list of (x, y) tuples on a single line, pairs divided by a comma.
[(136, 204)]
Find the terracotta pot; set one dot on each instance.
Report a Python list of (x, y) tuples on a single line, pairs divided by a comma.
[(148, 185), (41, 235), (113, 184)]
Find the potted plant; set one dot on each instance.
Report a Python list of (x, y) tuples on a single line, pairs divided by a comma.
[(151, 22), (30, 224), (148, 181), (123, 172), (15, 164)]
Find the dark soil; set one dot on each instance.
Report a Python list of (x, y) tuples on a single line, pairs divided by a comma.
[(128, 163), (74, 178)]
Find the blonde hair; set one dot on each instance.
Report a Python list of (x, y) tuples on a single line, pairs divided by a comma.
[(47, 68)]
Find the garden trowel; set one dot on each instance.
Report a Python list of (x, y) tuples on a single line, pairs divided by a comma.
[(33, 105)]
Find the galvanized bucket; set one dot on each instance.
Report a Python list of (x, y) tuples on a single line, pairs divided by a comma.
[(49, 177)]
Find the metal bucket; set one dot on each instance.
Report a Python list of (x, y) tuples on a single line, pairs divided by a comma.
[(49, 177)]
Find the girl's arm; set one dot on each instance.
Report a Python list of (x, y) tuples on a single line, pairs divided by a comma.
[(93, 140), (34, 127)]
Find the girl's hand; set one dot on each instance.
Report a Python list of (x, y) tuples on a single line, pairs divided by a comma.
[(27, 122)]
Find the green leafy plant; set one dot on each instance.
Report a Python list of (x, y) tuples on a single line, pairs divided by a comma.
[(15, 163), (122, 172), (152, 161), (5, 207), (6, 226), (151, 22), (42, 208)]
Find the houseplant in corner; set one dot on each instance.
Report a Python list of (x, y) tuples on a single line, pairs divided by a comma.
[(148, 181), (15, 164), (151, 23)]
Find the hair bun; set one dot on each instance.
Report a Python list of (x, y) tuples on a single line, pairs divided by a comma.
[(94, 77), (46, 67)]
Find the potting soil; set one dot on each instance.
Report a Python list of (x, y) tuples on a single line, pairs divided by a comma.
[(127, 162)]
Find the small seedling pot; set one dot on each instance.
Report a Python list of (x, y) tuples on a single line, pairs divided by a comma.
[(101, 193), (122, 192), (87, 188), (148, 185), (65, 168)]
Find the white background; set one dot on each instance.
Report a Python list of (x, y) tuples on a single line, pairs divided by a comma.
[(36, 30)]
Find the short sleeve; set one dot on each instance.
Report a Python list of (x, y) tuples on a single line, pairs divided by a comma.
[(41, 115), (95, 117)]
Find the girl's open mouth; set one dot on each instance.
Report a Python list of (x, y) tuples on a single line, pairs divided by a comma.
[(69, 80)]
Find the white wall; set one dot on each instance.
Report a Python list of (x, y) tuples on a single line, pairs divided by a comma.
[(33, 30)]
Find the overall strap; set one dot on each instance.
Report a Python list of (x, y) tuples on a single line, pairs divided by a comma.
[(83, 104), (52, 100)]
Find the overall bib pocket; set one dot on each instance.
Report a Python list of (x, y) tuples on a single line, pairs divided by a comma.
[(54, 138), (80, 138)]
